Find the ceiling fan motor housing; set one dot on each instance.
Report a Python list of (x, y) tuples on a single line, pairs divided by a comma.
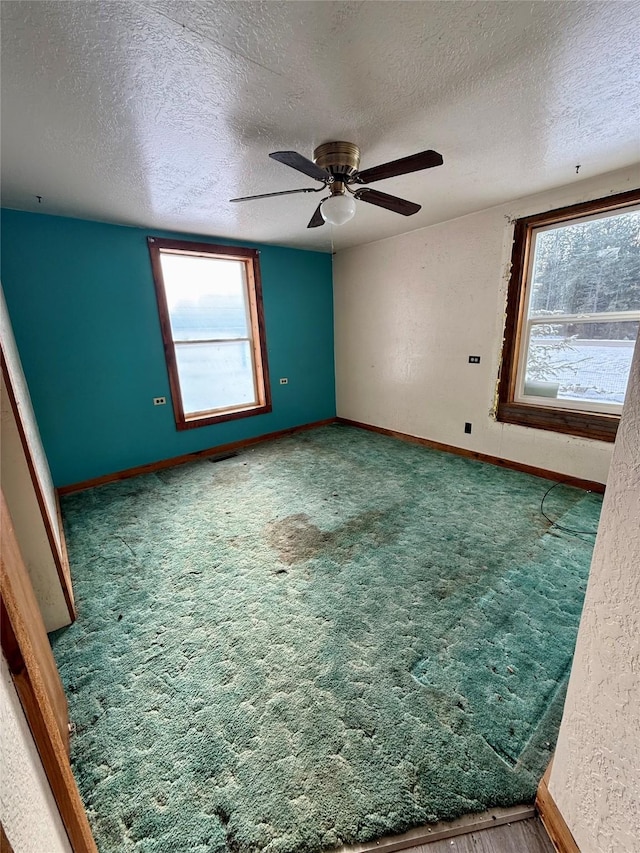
[(341, 160)]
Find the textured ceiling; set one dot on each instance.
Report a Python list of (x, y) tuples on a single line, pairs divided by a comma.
[(156, 114)]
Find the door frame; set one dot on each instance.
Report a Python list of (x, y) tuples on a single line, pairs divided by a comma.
[(26, 648)]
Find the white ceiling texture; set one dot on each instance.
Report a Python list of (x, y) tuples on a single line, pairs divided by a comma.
[(157, 113)]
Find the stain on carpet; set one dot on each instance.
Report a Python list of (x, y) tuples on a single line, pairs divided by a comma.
[(325, 639), (296, 539)]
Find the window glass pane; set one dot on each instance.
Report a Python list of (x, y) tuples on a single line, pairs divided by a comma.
[(582, 361), (214, 376), (205, 296), (587, 267)]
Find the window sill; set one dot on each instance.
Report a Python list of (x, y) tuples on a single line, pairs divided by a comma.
[(226, 415), (600, 427)]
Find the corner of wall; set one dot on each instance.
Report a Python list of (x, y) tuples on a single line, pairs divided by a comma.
[(595, 779)]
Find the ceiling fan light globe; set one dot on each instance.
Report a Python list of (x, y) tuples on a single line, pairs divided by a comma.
[(338, 209)]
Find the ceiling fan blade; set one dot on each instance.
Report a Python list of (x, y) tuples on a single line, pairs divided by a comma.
[(390, 202), (317, 219), (282, 192), (302, 164), (414, 163)]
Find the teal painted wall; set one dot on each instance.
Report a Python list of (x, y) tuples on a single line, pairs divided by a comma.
[(83, 309)]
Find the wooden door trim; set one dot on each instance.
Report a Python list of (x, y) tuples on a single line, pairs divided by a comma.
[(552, 819), (19, 648), (5, 844)]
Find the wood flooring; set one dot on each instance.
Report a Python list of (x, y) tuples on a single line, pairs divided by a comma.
[(524, 836)]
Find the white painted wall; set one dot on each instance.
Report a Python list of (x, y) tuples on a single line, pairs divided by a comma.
[(401, 362), (17, 486), (595, 780), (28, 811), (21, 390)]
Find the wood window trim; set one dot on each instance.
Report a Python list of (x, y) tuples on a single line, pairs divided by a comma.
[(256, 312), (602, 427)]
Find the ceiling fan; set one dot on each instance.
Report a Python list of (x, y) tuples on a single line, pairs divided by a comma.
[(335, 165)]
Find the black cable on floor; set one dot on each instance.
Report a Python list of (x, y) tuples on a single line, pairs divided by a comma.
[(555, 523)]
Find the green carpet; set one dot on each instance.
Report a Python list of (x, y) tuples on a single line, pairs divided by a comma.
[(328, 638)]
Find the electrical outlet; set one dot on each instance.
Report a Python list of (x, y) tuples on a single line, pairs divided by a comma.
[(159, 401), (474, 359), (284, 381), (467, 427)]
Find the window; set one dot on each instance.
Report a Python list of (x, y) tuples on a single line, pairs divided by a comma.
[(211, 316), (573, 312)]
